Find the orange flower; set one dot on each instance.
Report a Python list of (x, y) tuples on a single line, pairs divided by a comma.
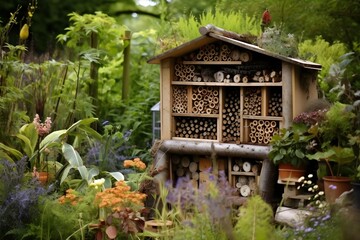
[(119, 197), (137, 163), (69, 197)]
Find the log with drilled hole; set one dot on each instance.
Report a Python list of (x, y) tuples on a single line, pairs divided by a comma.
[(275, 104), (199, 128)]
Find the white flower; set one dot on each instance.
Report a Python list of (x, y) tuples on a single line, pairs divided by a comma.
[(301, 179), (310, 189), (309, 182), (321, 193), (97, 182), (315, 186), (310, 176)]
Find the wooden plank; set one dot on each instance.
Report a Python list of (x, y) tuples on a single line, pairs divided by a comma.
[(251, 84), (213, 62), (264, 101), (166, 75), (287, 75)]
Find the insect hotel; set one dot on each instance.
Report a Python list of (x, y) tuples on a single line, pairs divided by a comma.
[(222, 100)]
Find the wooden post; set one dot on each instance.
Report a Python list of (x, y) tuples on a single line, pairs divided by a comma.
[(287, 93), (94, 67), (126, 66)]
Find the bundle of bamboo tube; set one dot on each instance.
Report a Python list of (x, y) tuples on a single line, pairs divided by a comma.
[(200, 128), (252, 102), (275, 104), (185, 72), (261, 131), (231, 117), (180, 99), (219, 52), (205, 100)]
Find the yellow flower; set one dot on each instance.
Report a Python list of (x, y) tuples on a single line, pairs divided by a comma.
[(24, 32)]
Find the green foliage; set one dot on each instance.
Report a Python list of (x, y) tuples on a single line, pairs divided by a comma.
[(321, 51), (255, 220), (337, 125), (187, 28), (291, 145)]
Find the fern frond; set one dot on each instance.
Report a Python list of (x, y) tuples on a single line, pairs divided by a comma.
[(254, 221)]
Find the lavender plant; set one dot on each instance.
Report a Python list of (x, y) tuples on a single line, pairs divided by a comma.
[(20, 194)]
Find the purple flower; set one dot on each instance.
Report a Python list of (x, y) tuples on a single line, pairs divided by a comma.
[(332, 187)]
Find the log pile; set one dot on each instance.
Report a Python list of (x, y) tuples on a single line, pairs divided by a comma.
[(200, 128), (275, 104), (246, 173), (261, 131), (231, 117), (185, 166), (252, 102), (205, 100), (180, 99), (267, 76)]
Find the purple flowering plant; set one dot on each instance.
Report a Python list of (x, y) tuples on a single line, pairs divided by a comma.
[(211, 197), (20, 196)]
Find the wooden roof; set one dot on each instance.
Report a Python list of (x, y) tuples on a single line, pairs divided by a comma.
[(213, 37)]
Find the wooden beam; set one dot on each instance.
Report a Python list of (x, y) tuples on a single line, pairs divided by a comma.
[(221, 149)]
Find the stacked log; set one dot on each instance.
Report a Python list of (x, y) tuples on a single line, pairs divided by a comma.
[(261, 131), (180, 99), (252, 102), (245, 176), (185, 72), (231, 117), (185, 166), (205, 100), (200, 128), (275, 104), (267, 76)]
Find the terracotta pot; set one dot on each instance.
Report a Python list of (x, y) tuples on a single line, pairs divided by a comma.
[(43, 177), (288, 172), (334, 186)]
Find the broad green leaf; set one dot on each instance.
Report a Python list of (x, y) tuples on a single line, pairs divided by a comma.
[(65, 173), (117, 175), (86, 121), (28, 148), (4, 155), (321, 155), (299, 153), (71, 155), (30, 132), (92, 173), (83, 172), (90, 131), (52, 137), (17, 154)]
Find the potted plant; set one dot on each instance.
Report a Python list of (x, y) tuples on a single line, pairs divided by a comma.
[(334, 152), (288, 150)]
